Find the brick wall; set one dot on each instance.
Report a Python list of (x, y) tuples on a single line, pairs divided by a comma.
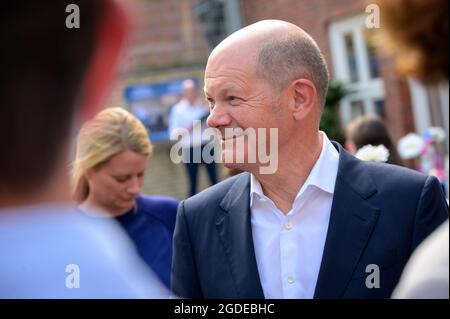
[(398, 109), (167, 34), (165, 177), (168, 42)]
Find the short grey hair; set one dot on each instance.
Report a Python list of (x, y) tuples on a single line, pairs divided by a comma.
[(281, 61)]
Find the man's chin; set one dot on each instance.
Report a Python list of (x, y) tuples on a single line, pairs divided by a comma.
[(232, 164)]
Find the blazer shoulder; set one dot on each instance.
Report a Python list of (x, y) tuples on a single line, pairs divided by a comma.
[(395, 173), (208, 201), (395, 179)]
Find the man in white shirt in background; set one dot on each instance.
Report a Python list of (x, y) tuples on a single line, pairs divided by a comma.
[(188, 120), (49, 249)]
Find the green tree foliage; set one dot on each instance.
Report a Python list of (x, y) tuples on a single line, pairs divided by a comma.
[(330, 123)]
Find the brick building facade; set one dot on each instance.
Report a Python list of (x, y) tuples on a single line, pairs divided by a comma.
[(171, 43)]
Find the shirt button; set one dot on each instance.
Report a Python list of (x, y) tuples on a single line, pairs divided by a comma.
[(291, 279), (288, 226)]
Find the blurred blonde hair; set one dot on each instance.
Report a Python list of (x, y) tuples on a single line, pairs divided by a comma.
[(110, 132)]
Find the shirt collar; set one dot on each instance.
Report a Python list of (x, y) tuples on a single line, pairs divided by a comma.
[(323, 174)]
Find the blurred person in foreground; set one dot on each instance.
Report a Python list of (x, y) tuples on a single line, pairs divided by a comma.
[(182, 123), (111, 161), (416, 32), (53, 78), (323, 224), (370, 130)]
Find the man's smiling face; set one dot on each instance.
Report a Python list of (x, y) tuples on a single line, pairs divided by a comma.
[(239, 100)]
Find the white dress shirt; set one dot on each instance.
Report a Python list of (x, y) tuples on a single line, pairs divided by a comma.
[(289, 247)]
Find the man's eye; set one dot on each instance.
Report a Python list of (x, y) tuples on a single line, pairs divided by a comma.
[(233, 99), (210, 102)]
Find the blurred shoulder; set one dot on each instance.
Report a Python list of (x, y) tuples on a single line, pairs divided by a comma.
[(40, 242)]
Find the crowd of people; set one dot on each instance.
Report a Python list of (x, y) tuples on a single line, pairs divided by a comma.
[(75, 224)]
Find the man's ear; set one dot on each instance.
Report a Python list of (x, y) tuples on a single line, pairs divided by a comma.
[(111, 33), (304, 97)]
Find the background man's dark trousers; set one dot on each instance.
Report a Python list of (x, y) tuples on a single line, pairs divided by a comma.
[(192, 168)]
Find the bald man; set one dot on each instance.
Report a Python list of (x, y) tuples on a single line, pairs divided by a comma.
[(323, 224)]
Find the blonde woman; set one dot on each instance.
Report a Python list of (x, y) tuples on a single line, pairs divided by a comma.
[(111, 160)]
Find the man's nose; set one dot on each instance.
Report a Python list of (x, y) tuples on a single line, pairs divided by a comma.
[(218, 117)]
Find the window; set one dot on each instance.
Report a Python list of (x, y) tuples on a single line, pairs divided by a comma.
[(357, 108), (430, 106), (356, 64), (379, 107), (351, 59), (211, 14), (219, 17), (372, 56)]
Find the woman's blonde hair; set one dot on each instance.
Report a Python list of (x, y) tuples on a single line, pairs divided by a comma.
[(110, 132)]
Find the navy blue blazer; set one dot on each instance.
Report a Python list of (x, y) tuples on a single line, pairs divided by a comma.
[(380, 214)]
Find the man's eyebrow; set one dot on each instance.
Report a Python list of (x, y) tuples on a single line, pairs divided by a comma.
[(223, 90), (226, 90)]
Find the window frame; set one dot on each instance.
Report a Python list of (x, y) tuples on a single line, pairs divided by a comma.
[(367, 89)]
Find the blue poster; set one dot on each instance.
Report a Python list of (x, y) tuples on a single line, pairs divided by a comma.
[(152, 103)]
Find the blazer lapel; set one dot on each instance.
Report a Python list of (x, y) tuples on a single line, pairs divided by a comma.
[(234, 226), (351, 223)]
